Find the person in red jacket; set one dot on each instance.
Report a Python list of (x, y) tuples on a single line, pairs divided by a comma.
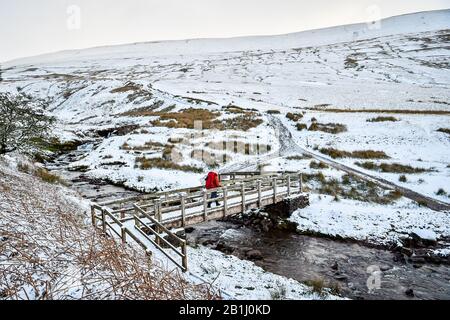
[(213, 182)]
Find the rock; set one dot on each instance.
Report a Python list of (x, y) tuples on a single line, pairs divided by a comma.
[(341, 277), (407, 251), (409, 293), (428, 237), (335, 266), (189, 229), (222, 247), (417, 260), (254, 255), (385, 267)]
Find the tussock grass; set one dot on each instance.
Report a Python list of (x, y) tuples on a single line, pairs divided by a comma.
[(360, 154), (318, 165), (392, 111), (149, 145), (48, 177), (150, 163), (383, 119), (391, 167), (299, 157), (402, 178), (333, 128), (301, 126), (273, 111), (294, 116)]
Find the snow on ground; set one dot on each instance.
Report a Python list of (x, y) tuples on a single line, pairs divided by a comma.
[(413, 140), (372, 223), (244, 280)]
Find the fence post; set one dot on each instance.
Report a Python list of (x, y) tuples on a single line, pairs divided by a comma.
[(93, 216), (288, 185), (258, 184), (274, 190), (103, 221), (243, 196), (225, 201), (184, 257), (158, 217), (124, 234), (205, 205), (183, 210)]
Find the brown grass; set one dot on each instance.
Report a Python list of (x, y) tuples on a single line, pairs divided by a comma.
[(294, 116), (391, 167), (149, 145), (52, 255), (360, 154), (382, 119), (149, 163), (333, 128), (393, 111), (301, 126)]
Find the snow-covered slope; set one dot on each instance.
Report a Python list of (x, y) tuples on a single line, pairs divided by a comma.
[(417, 22)]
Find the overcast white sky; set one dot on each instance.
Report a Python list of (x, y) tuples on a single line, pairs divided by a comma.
[(31, 27)]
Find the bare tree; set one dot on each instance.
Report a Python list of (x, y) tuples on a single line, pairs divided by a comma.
[(23, 124)]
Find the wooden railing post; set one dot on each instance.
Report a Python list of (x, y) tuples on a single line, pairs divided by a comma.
[(288, 185), (205, 205), (103, 221), (183, 210), (124, 235), (184, 256), (225, 201), (274, 190), (158, 217), (93, 216), (258, 184), (243, 196)]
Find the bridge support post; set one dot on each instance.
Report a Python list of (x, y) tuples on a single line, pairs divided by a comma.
[(225, 201), (205, 205), (183, 210), (274, 190), (258, 186), (243, 197), (288, 181), (300, 182)]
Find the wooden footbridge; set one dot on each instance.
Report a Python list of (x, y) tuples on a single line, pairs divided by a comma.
[(154, 220)]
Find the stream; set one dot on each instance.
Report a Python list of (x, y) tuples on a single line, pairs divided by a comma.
[(304, 258)]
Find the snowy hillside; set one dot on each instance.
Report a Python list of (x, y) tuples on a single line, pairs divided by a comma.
[(362, 112)]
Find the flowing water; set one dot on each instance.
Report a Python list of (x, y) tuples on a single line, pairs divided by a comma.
[(352, 267)]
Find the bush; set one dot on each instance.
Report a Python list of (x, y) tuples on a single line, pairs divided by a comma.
[(402, 178), (441, 192), (273, 111)]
